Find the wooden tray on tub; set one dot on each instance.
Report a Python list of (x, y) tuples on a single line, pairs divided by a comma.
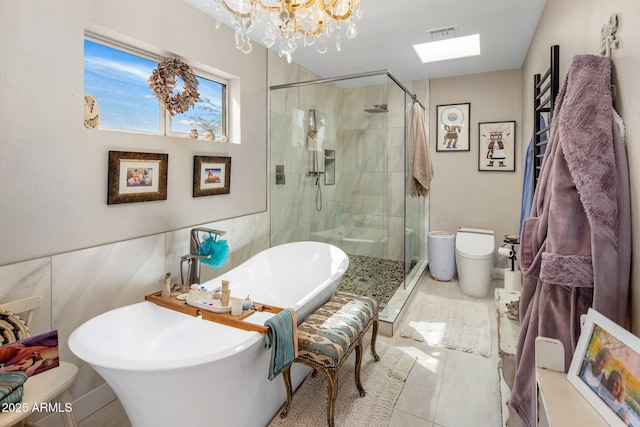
[(174, 303)]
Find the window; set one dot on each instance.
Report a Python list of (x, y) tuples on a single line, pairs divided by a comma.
[(207, 113), (117, 79)]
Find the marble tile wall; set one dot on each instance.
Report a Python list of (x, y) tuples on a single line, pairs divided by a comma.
[(79, 285), (370, 162), (293, 205)]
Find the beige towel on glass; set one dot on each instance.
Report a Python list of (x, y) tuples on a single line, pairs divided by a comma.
[(422, 168)]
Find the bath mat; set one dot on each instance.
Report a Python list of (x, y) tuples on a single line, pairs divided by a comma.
[(457, 324), (382, 380)]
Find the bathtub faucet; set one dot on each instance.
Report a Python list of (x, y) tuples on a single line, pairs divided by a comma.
[(193, 259)]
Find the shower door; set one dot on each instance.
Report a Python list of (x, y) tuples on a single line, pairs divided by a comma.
[(338, 174)]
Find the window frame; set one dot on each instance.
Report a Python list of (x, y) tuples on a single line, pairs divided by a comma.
[(165, 121)]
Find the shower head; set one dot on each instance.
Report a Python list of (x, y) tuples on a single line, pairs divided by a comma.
[(377, 108)]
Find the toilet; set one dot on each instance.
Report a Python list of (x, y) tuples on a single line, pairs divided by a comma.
[(474, 259)]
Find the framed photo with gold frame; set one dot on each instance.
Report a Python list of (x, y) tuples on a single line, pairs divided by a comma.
[(211, 175), (136, 177)]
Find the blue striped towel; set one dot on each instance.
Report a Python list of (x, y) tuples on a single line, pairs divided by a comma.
[(282, 338)]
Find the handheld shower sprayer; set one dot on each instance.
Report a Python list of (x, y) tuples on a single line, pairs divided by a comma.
[(313, 126), (314, 146)]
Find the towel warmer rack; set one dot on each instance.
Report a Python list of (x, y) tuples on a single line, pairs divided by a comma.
[(545, 91)]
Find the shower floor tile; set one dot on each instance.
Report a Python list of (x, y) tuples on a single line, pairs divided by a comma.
[(373, 277)]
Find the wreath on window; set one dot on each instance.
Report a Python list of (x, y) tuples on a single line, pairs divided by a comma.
[(163, 81)]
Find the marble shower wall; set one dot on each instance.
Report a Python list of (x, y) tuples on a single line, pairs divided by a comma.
[(82, 284), (293, 205), (370, 167)]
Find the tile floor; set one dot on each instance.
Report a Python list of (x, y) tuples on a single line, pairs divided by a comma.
[(445, 388), (449, 388), (373, 277)]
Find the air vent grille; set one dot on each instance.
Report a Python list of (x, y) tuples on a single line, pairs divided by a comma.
[(443, 33)]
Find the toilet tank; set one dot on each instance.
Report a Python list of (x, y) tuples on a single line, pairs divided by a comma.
[(475, 243)]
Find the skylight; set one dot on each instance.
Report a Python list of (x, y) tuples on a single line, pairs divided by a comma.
[(441, 50)]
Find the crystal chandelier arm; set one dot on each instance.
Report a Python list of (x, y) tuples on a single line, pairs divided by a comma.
[(327, 9), (286, 4), (234, 12), (304, 32), (269, 8)]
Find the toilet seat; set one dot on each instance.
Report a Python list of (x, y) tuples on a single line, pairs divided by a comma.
[(474, 243)]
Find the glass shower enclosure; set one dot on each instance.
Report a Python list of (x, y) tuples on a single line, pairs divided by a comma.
[(340, 166)]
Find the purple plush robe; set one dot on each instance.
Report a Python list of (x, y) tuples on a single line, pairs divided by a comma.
[(575, 248)]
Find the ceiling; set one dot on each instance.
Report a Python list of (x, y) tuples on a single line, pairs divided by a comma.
[(389, 29)]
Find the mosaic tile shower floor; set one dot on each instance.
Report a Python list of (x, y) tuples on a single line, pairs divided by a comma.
[(373, 277)]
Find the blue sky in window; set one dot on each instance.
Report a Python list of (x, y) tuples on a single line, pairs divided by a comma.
[(118, 81), (206, 113)]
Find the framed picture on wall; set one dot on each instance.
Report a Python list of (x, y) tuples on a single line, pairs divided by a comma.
[(211, 175), (453, 127), (605, 369), (136, 177), (497, 146)]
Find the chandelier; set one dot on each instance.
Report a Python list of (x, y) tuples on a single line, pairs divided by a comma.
[(291, 22)]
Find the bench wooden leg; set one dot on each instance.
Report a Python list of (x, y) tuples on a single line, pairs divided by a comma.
[(374, 336), (286, 376), (357, 371), (332, 393)]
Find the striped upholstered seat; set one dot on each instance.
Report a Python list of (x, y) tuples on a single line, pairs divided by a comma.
[(328, 336)]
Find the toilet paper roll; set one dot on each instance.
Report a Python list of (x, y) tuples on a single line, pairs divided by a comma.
[(505, 251), (512, 280)]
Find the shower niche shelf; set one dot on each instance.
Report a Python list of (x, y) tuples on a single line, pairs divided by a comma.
[(329, 167)]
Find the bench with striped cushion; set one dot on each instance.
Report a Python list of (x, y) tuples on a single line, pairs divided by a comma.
[(327, 337)]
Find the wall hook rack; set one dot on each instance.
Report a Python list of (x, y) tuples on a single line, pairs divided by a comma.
[(608, 38)]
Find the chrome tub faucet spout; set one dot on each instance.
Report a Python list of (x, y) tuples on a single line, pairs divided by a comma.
[(192, 258)]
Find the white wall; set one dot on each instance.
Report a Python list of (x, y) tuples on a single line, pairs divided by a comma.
[(575, 26), (461, 196), (58, 237), (53, 179)]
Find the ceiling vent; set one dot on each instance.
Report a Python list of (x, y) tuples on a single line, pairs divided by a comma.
[(443, 33)]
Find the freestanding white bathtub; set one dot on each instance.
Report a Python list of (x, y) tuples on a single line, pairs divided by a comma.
[(169, 368)]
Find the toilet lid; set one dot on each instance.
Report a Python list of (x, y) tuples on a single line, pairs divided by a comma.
[(475, 246)]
